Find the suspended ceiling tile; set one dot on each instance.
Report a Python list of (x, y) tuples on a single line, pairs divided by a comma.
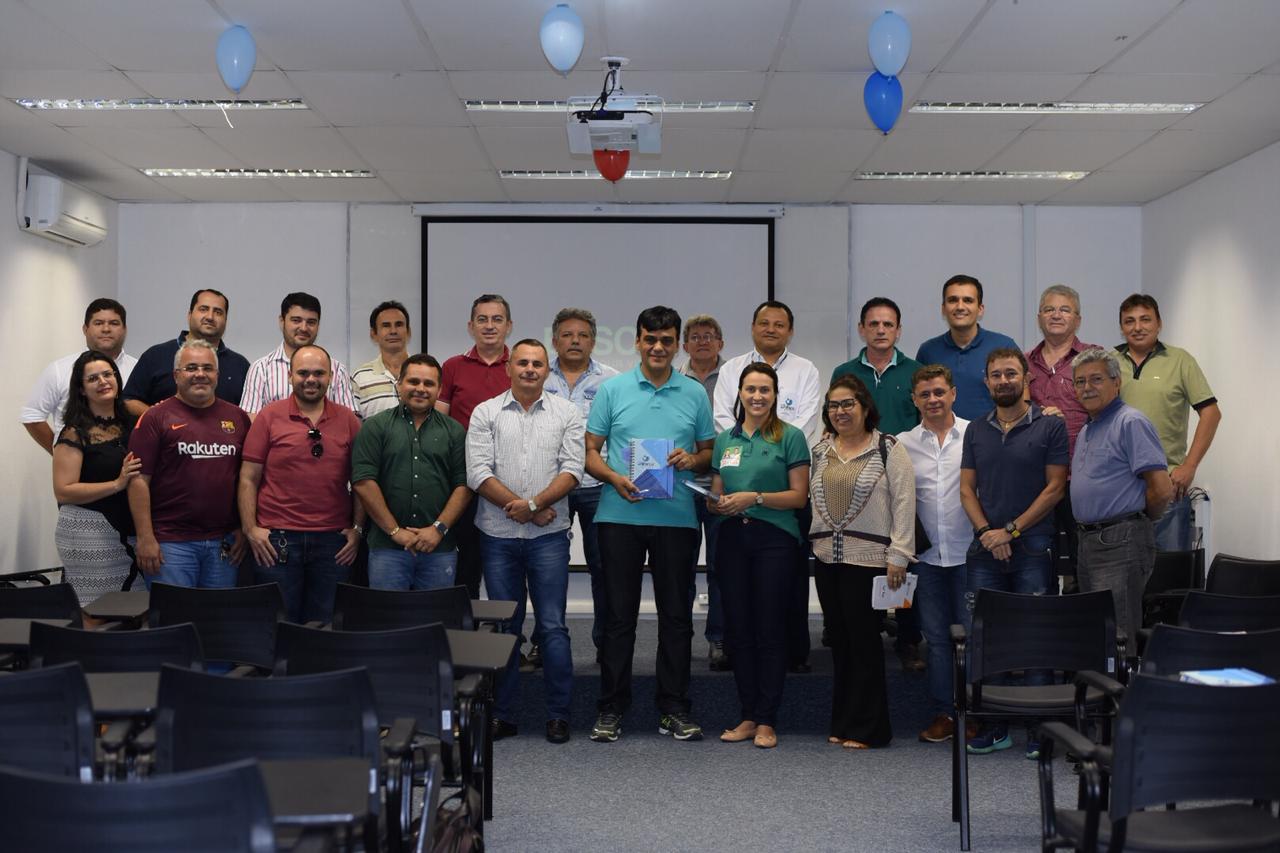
[(1155, 88), (1123, 187), (826, 150), (821, 100), (417, 98), (158, 148), (793, 186), (31, 41), (1254, 104), (409, 149), (890, 192), (561, 191), (1059, 150), (336, 189), (61, 151), (530, 148), (129, 185), (709, 35), (477, 186), (225, 189), (999, 192), (959, 150), (674, 191), (1211, 37), (499, 35), (698, 148), (1194, 150), (287, 148)]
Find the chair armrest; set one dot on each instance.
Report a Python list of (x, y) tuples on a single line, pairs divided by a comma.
[(1109, 686), (468, 685), (399, 740), (1076, 743), (316, 623)]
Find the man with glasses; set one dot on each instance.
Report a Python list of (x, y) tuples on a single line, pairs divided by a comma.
[(184, 501), (302, 444)]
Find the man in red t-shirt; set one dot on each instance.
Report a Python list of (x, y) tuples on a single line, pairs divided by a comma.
[(466, 381), (295, 501), (184, 502)]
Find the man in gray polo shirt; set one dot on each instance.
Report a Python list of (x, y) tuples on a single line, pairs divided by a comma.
[(1121, 484)]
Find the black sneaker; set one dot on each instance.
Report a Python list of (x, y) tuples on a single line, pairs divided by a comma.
[(501, 729), (558, 731), (535, 656), (607, 728), (679, 726), (717, 660)]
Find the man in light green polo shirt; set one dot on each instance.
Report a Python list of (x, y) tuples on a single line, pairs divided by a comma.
[(1165, 383)]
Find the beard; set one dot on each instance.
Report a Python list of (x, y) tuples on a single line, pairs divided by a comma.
[(1008, 399)]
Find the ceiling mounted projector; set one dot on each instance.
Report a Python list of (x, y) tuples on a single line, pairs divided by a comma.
[(615, 120)]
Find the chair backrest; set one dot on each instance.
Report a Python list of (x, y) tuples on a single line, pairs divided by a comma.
[(237, 624), (1176, 741), (1174, 570), (204, 719), (55, 601), (1230, 575), (116, 651), (46, 723), (411, 668), (220, 809), (1210, 612), (1172, 649), (1012, 631), (361, 608)]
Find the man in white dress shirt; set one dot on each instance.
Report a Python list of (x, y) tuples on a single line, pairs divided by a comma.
[(935, 448), (104, 330), (525, 453), (799, 398)]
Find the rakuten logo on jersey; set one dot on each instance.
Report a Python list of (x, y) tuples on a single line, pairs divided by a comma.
[(201, 450)]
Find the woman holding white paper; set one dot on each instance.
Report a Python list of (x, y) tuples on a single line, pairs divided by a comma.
[(864, 504), (760, 472)]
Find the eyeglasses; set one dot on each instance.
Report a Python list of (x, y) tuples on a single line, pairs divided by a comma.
[(702, 339), (841, 405), (1064, 310), (193, 369), (317, 449), (667, 341), (1091, 381)]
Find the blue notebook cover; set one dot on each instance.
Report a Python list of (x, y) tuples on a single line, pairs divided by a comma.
[(646, 460)]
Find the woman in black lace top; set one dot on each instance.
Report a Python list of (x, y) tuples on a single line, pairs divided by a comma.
[(92, 468)]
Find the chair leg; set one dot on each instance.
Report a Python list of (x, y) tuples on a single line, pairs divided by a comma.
[(962, 782)]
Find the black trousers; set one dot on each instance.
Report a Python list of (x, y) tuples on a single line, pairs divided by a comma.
[(671, 552), (859, 701), (467, 535), (757, 560)]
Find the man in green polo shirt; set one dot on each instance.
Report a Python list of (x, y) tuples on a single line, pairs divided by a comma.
[(1165, 383), (409, 469)]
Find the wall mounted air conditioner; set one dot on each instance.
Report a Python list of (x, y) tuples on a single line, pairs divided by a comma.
[(62, 212)]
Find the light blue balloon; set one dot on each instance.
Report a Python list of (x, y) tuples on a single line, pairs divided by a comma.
[(562, 36), (883, 97), (236, 56), (889, 43)]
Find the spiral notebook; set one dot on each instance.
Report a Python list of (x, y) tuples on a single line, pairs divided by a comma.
[(646, 460)]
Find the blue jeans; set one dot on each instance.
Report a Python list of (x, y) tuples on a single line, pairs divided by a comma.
[(307, 572), (539, 568), (583, 504), (940, 603), (1173, 530), (709, 527), (204, 563), (1028, 571), (395, 568)]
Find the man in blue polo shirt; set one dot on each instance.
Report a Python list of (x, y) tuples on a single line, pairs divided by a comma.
[(1121, 483), (1013, 471), (650, 402), (965, 347)]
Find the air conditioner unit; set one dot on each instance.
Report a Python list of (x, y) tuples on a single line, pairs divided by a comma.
[(63, 212)]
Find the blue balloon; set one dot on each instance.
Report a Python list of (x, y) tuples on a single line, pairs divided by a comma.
[(236, 56), (562, 36), (889, 43), (883, 97)]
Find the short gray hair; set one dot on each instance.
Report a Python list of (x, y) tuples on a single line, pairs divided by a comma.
[(195, 343), (565, 314), (1094, 355), (1062, 290)]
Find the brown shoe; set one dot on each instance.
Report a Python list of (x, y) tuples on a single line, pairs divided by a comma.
[(909, 654), (942, 729), (766, 737), (745, 730)]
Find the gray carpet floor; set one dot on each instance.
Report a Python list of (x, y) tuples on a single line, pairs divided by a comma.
[(649, 793)]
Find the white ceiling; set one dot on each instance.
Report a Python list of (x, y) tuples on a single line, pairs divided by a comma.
[(384, 79)]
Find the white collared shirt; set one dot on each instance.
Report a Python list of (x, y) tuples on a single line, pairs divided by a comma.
[(799, 392), (937, 471), (48, 397)]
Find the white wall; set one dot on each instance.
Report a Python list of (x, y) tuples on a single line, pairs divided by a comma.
[(1210, 255), (44, 288)]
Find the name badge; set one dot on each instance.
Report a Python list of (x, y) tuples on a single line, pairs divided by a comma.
[(732, 457)]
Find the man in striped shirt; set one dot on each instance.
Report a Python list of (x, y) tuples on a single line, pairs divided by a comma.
[(373, 384), (268, 377)]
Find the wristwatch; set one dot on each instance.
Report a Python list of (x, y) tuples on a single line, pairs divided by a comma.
[(759, 498), (440, 526), (1012, 529), (533, 505)]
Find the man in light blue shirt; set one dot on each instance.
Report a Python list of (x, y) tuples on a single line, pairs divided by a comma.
[(964, 347), (653, 401), (576, 376)]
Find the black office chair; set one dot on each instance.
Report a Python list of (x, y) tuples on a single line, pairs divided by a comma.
[(236, 625), (219, 810), (362, 608), (116, 651), (1211, 612), (55, 601), (46, 723), (412, 674), (1230, 575), (1011, 633), (204, 720), (1175, 573), (1176, 744)]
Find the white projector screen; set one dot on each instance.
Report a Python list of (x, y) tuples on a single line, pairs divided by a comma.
[(613, 267)]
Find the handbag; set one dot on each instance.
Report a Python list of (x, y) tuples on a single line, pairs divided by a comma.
[(922, 538)]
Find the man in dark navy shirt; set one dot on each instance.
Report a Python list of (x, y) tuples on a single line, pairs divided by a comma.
[(152, 377)]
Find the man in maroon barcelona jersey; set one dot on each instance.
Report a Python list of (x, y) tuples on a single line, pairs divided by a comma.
[(184, 502)]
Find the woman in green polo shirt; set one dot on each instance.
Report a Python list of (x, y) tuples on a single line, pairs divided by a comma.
[(760, 471)]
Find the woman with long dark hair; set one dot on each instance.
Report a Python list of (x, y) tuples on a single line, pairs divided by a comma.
[(760, 471), (92, 468)]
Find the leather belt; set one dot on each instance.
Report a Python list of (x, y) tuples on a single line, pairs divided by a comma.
[(1109, 522)]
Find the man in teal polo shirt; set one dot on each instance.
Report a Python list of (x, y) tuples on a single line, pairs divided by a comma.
[(409, 470), (650, 402)]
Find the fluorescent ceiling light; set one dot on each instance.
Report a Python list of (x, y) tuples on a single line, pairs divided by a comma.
[(258, 173), (969, 176), (1050, 108), (640, 103), (634, 174), (91, 104)]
